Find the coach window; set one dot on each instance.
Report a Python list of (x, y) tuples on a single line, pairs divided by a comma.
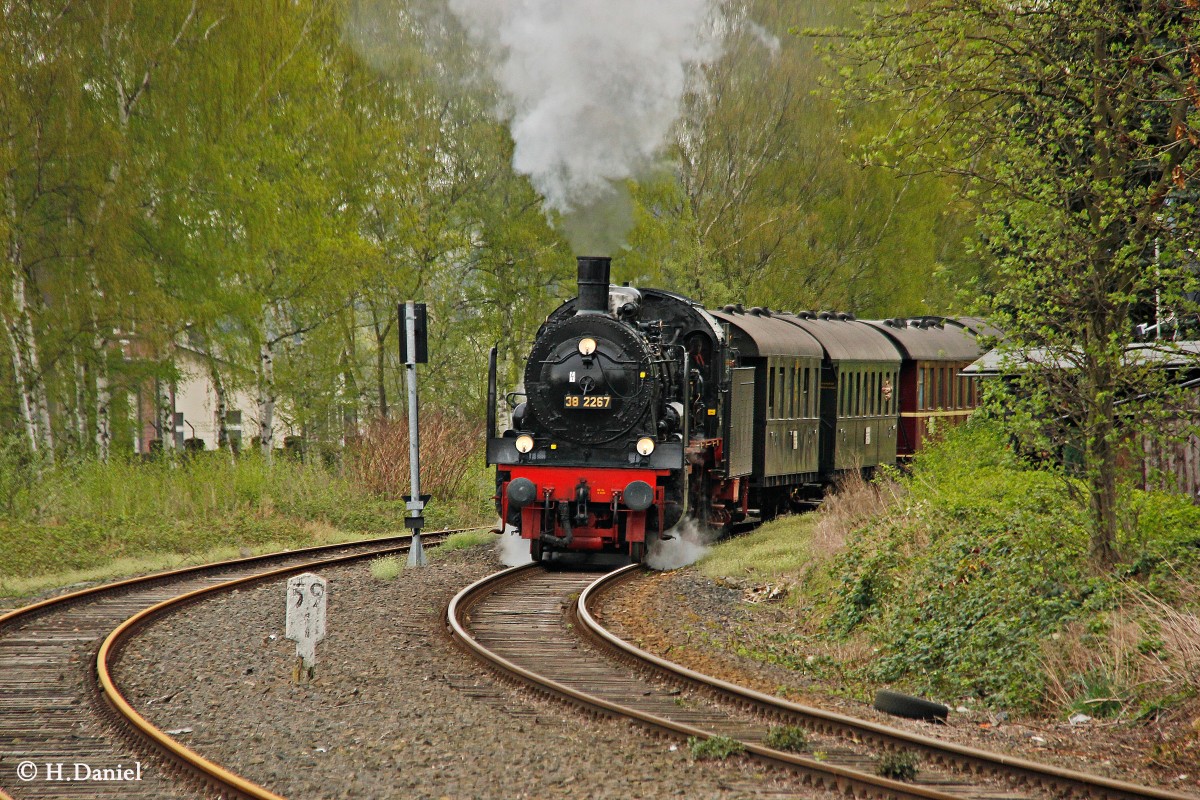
[(795, 394), (770, 392), (784, 399), (804, 376), (814, 391)]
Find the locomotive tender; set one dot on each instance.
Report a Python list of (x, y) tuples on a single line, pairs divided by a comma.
[(641, 408)]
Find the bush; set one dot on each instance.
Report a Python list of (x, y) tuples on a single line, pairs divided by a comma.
[(792, 738), (714, 747), (961, 585), (900, 766), (450, 446)]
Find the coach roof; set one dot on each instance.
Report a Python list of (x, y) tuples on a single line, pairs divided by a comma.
[(764, 334), (845, 338), (930, 338)]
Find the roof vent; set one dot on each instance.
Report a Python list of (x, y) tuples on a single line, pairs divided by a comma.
[(806, 315), (846, 317), (757, 311), (825, 315)]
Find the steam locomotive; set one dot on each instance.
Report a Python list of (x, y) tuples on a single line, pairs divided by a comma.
[(640, 408)]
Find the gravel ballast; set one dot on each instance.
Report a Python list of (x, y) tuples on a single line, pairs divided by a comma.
[(397, 709)]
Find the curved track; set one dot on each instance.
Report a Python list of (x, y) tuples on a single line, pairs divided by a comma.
[(61, 707), (528, 622)]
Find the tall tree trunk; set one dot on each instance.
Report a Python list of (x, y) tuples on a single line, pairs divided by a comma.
[(19, 372), (349, 398), (265, 375), (127, 100), (79, 421), (103, 392), (166, 416), (382, 330), (214, 374), (37, 379), (35, 407), (380, 383)]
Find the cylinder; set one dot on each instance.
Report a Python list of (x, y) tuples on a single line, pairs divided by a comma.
[(593, 284)]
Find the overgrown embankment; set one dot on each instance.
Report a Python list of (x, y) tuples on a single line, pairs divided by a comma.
[(83, 520), (968, 581)]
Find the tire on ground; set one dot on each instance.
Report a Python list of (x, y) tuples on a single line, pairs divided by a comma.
[(905, 705)]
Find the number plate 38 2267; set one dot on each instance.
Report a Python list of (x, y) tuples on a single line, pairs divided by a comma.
[(587, 401)]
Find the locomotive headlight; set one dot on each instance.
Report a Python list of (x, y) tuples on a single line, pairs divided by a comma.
[(524, 443), (645, 446), (587, 346)]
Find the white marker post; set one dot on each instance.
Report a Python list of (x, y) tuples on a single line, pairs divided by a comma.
[(306, 599)]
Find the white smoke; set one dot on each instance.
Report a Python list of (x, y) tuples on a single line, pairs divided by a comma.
[(591, 87), (764, 37), (690, 542), (511, 549)]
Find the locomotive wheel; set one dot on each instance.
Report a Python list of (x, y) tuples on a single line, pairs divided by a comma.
[(535, 550)]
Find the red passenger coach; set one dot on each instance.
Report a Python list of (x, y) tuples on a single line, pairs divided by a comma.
[(933, 391)]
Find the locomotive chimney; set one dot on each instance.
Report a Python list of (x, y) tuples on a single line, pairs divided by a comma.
[(593, 284)]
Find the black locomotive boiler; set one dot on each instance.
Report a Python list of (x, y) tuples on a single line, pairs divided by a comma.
[(640, 408)]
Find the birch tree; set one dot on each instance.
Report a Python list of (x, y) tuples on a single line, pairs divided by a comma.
[(1079, 126)]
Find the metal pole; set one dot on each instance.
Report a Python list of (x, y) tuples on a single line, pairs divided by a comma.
[(416, 554)]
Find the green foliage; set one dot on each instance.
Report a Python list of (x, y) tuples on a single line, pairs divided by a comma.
[(961, 586), (714, 747), (1088, 198), (765, 202), (899, 766), (792, 738)]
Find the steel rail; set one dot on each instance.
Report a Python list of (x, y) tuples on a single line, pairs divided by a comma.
[(199, 569), (136, 725), (830, 776), (946, 753), (110, 649)]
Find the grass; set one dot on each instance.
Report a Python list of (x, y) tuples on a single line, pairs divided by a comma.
[(87, 521), (463, 541), (385, 568), (779, 549)]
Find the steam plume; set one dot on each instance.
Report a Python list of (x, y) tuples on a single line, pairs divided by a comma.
[(591, 88)]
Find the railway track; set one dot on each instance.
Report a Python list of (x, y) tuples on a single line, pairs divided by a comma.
[(61, 707), (540, 627)]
